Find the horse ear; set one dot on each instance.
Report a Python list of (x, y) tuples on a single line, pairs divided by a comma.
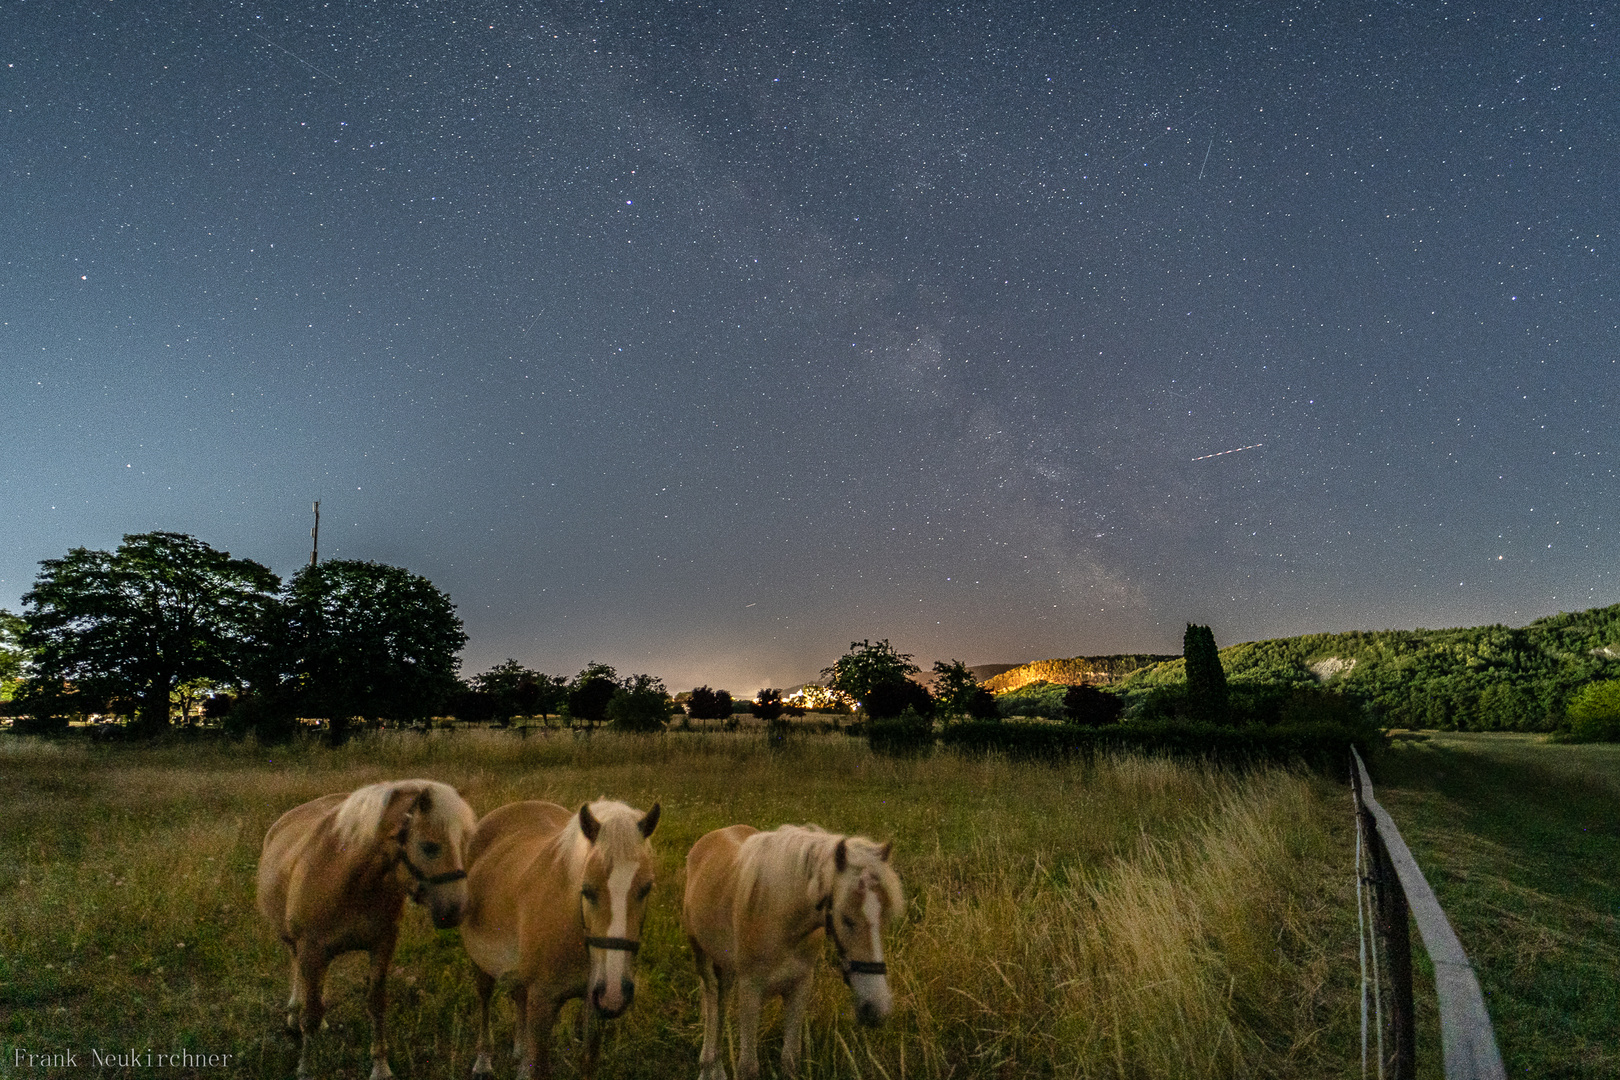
[(841, 854), (424, 801), (588, 823), (883, 852), (650, 821)]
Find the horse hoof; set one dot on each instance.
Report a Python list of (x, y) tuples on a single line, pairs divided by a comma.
[(381, 1071), (482, 1066)]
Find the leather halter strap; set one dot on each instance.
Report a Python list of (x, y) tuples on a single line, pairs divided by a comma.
[(847, 966), (608, 944), (422, 877)]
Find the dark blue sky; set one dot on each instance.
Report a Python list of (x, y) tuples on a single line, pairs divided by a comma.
[(701, 339)]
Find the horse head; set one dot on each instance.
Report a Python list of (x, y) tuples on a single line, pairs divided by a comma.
[(617, 876), (432, 841), (865, 895)]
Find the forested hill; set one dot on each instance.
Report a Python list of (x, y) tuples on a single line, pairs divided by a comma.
[(1075, 670), (1478, 678)]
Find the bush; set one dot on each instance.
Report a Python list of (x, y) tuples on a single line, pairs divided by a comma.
[(1091, 707), (908, 733), (888, 700), (1593, 713)]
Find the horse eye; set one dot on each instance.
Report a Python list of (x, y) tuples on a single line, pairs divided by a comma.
[(849, 922), (589, 893), (429, 849), (641, 893)]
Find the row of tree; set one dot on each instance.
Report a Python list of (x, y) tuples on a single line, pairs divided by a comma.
[(165, 619)]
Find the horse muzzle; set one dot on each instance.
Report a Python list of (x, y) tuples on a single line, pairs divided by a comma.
[(447, 904), (610, 1007)]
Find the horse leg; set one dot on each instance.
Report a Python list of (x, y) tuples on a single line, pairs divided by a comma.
[(295, 996), (311, 974), (593, 1026), (750, 998), (710, 1067), (382, 954), (485, 982), (520, 1027), (542, 1017), (794, 1003)]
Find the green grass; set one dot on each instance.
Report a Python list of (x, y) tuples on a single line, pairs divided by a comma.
[(1128, 918), (1520, 839)]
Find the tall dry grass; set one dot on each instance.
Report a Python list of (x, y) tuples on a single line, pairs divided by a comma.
[(1129, 918)]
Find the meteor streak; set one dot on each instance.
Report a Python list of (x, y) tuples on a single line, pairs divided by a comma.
[(1223, 453)]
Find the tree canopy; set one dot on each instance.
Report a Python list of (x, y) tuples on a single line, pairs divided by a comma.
[(707, 703), (955, 688), (135, 623), (866, 665), (368, 639)]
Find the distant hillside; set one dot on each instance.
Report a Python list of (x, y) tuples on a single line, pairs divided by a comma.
[(1478, 678), (1073, 671), (986, 672)]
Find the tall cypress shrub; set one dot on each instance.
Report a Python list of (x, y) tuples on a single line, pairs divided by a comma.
[(1206, 679)]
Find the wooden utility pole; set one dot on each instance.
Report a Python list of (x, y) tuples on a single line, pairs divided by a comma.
[(315, 535)]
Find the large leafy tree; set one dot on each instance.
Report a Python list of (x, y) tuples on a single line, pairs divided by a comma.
[(641, 703), (514, 690), (590, 692), (868, 664), (708, 703), (955, 688), (364, 639), (162, 610)]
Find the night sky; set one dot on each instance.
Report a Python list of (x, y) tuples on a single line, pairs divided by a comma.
[(703, 338)]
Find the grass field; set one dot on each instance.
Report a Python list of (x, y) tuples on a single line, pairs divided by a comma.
[(1520, 839), (1130, 918)]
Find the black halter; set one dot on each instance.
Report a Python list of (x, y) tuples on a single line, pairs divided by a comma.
[(423, 878), (847, 966), (610, 944)]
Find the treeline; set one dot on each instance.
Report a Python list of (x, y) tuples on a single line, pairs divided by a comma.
[(1488, 678), (166, 624)]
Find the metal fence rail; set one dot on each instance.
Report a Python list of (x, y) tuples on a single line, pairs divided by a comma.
[(1467, 1041)]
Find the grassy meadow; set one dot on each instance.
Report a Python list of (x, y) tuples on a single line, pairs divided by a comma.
[(1127, 918), (1520, 839)]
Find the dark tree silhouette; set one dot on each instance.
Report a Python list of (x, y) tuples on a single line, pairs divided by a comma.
[(1206, 679), (365, 639), (135, 623), (1091, 707)]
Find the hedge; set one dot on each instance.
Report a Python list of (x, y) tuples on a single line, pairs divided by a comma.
[(1319, 744)]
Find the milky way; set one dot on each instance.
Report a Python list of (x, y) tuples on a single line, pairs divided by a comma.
[(702, 339)]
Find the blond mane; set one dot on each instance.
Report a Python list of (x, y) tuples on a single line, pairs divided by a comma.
[(360, 815), (805, 856)]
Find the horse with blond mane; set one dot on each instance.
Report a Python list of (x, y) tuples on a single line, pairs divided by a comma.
[(756, 910), (333, 878), (556, 901)]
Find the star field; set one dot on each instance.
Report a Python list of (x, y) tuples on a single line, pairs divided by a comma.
[(702, 338)]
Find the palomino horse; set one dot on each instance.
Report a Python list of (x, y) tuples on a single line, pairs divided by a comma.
[(556, 901), (333, 877), (756, 907)]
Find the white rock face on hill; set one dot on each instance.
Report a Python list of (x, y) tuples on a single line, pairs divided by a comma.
[(1326, 669)]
